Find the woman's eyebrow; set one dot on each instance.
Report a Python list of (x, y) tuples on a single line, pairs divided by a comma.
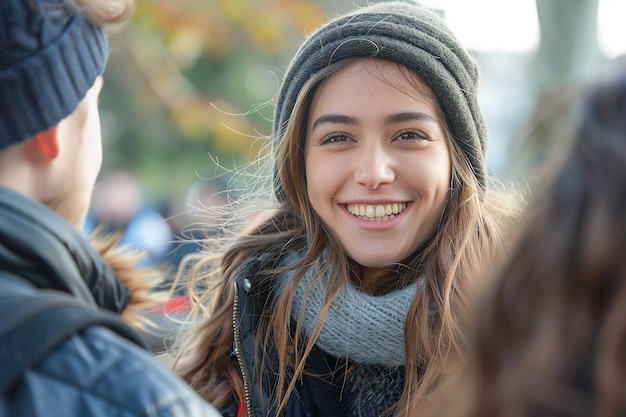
[(409, 116), (334, 118)]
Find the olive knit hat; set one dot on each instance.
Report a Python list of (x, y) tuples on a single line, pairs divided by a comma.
[(49, 57), (410, 35)]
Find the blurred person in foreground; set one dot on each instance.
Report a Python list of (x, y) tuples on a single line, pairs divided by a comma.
[(52, 55), (548, 337)]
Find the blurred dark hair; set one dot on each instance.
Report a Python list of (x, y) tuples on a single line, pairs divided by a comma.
[(549, 336)]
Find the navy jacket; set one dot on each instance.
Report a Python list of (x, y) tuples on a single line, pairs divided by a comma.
[(94, 373)]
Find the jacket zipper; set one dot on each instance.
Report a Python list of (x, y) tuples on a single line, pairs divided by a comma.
[(239, 353)]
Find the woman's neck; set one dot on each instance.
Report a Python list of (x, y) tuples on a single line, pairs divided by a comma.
[(375, 280)]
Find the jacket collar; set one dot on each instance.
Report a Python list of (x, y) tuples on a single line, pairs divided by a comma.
[(42, 248)]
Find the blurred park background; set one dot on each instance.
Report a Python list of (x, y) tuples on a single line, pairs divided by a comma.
[(189, 84)]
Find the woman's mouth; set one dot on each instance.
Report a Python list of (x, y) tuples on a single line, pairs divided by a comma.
[(378, 212)]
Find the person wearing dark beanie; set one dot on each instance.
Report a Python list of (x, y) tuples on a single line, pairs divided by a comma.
[(411, 36), (47, 66), (344, 295), (52, 56)]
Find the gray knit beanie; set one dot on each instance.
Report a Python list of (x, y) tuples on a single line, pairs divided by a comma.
[(49, 57), (410, 35)]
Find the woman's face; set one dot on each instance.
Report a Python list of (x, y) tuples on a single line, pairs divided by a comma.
[(377, 161)]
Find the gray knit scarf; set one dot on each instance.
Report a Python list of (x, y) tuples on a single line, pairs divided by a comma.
[(364, 328)]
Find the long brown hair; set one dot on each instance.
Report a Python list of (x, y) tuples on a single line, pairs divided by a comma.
[(469, 235), (549, 336)]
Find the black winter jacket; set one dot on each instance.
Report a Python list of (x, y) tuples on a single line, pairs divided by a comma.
[(314, 396), (94, 373)]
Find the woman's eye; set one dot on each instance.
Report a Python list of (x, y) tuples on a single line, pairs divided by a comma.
[(411, 135), (335, 138)]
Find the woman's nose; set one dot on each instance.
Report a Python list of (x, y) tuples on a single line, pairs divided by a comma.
[(374, 168)]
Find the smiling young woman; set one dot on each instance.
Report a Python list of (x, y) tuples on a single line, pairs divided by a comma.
[(346, 298), (373, 142)]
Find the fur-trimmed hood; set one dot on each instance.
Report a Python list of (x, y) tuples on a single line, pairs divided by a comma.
[(42, 248)]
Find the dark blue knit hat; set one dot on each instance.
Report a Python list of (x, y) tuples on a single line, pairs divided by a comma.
[(49, 57), (410, 35)]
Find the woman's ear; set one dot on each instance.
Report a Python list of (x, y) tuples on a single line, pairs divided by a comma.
[(44, 146)]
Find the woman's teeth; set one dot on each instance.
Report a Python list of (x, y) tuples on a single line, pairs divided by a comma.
[(380, 212)]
